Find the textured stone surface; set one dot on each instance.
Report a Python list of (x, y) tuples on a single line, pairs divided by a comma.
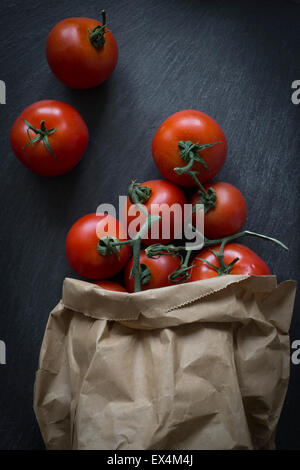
[(233, 60)]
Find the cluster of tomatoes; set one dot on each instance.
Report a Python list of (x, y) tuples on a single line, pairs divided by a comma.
[(161, 263), (189, 149)]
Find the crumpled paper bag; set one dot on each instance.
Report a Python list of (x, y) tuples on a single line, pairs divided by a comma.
[(204, 365)]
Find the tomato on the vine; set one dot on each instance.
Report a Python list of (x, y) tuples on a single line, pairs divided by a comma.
[(248, 263), (82, 247), (163, 194), (49, 137), (155, 271), (111, 285), (187, 135), (82, 52), (228, 215)]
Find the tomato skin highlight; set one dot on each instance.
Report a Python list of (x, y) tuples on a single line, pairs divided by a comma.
[(68, 143), (72, 57), (160, 269), (194, 126), (163, 192), (81, 247), (229, 214), (111, 285), (249, 262)]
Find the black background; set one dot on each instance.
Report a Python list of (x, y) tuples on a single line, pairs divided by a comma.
[(235, 60)]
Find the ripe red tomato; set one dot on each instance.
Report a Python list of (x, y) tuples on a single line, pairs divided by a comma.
[(249, 263), (111, 285), (81, 247), (62, 140), (78, 60), (194, 127), (229, 214), (160, 269), (164, 194)]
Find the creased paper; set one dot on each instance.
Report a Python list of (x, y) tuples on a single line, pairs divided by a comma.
[(204, 365)]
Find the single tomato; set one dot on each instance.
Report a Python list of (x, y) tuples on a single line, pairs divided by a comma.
[(156, 271), (229, 214), (248, 263), (82, 52), (49, 137), (161, 196), (180, 137), (82, 246), (111, 285)]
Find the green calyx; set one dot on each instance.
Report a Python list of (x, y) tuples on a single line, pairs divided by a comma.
[(224, 268), (109, 246), (42, 134), (181, 275), (207, 198), (96, 36), (184, 271), (189, 152), (138, 194)]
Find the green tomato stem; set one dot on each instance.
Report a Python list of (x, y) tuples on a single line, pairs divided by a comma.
[(225, 240), (136, 241), (42, 134), (189, 152), (96, 36), (136, 264)]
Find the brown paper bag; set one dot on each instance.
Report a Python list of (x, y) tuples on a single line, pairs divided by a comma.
[(203, 365)]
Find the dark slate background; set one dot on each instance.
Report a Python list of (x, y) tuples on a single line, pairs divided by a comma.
[(235, 60)]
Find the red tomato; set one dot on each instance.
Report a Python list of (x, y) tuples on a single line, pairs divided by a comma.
[(163, 193), (81, 246), (229, 214), (110, 285), (60, 150), (198, 128), (75, 59), (249, 263), (160, 269)]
